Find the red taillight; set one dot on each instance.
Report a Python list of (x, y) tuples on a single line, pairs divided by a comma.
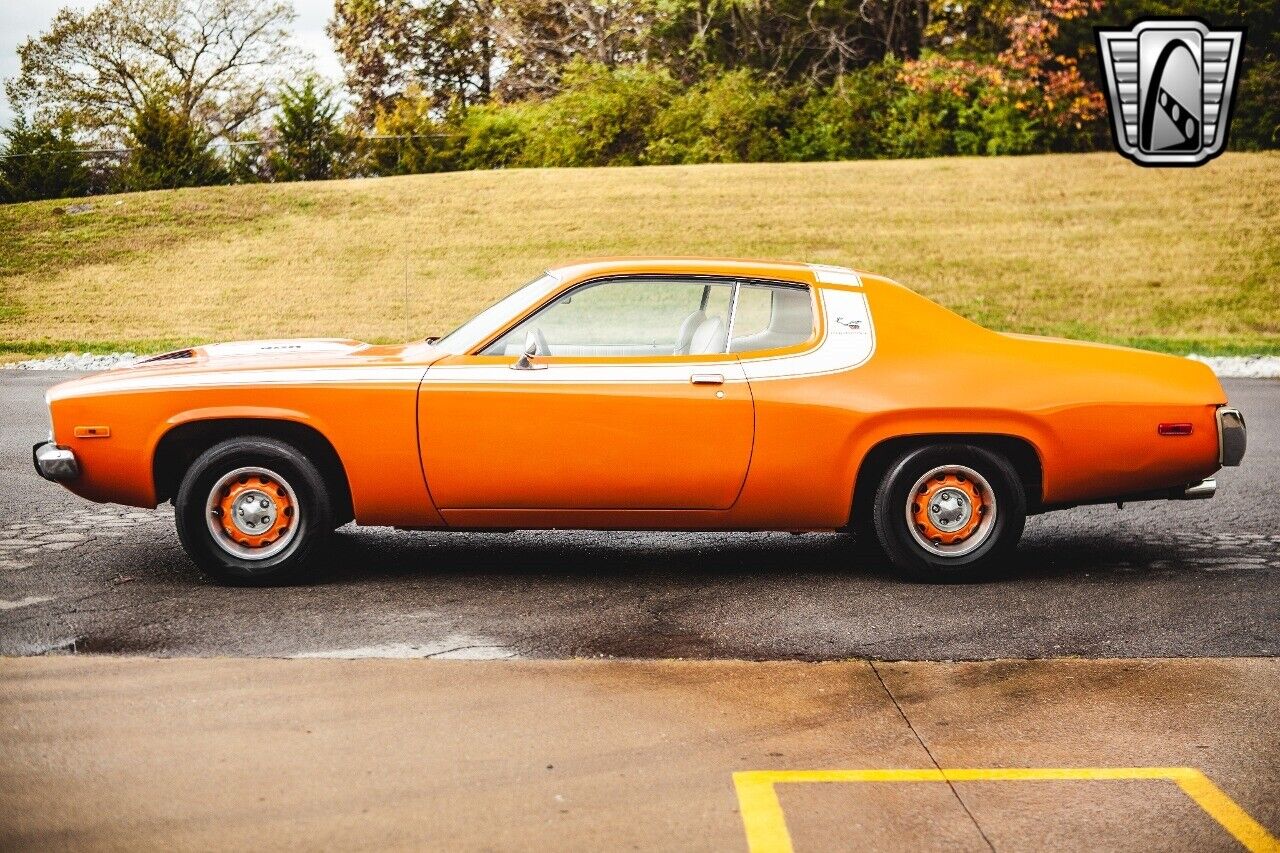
[(1174, 429)]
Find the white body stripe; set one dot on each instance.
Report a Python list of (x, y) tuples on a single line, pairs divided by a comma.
[(214, 378), (826, 274), (848, 342)]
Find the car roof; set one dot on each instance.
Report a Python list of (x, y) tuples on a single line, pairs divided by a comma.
[(748, 267)]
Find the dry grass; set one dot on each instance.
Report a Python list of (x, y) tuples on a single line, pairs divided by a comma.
[(1085, 246)]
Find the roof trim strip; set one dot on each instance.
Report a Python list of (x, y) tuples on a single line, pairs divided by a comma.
[(827, 274)]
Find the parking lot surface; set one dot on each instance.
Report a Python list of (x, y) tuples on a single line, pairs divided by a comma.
[(758, 692), (131, 753)]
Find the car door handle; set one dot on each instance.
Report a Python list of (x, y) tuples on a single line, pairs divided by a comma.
[(707, 379)]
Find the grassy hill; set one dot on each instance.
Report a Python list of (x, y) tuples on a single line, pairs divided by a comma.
[(1085, 246)]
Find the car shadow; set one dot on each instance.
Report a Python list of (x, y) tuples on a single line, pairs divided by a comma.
[(359, 555)]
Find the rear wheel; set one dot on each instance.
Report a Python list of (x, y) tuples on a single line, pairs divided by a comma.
[(253, 510), (950, 512)]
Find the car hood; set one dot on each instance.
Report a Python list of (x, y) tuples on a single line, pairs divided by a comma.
[(242, 362)]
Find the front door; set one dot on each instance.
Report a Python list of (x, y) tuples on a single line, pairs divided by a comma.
[(631, 402)]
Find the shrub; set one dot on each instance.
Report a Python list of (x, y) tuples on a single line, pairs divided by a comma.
[(310, 145), (959, 106), (170, 150), (494, 136), (736, 117), (424, 144), (41, 162), (850, 120), (601, 118), (1256, 122)]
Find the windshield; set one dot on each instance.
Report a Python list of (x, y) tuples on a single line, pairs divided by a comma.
[(471, 333)]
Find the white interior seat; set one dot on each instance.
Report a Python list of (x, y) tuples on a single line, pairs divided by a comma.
[(685, 339), (708, 337)]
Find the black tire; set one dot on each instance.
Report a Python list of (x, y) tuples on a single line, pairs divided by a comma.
[(313, 516), (969, 559)]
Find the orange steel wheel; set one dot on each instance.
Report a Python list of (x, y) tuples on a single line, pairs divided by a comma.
[(947, 508), (255, 509)]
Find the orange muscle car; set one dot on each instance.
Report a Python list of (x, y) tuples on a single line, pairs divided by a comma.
[(673, 394)]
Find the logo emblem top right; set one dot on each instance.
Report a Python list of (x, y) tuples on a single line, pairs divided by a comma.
[(1169, 88)]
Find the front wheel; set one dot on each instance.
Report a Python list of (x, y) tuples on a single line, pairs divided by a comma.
[(252, 510), (949, 512)]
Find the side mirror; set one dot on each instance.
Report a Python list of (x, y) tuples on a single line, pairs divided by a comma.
[(525, 362)]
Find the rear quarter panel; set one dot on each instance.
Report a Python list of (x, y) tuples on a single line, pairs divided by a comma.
[(1089, 411)]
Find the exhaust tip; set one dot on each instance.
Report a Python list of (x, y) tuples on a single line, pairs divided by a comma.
[(1206, 488)]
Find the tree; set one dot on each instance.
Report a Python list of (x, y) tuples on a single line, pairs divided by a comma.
[(538, 40), (443, 48), (814, 41), (409, 138), (217, 62), (170, 150), (309, 141), (40, 161)]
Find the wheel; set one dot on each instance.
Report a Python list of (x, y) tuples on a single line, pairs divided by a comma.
[(950, 512), (253, 510)]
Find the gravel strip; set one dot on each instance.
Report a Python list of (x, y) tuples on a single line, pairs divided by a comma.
[(76, 361), (1242, 366), (1234, 367)]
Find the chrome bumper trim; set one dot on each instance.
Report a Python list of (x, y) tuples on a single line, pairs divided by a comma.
[(1232, 436), (55, 463), (1206, 488)]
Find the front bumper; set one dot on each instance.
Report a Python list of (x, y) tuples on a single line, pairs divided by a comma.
[(1232, 438), (55, 463)]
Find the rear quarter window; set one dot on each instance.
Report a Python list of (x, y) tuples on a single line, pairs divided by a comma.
[(771, 317)]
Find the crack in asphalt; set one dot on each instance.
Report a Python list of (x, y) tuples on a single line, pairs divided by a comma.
[(955, 793)]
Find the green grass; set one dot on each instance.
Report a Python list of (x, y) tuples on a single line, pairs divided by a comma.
[(1082, 246)]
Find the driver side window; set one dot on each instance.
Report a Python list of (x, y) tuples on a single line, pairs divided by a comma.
[(628, 318)]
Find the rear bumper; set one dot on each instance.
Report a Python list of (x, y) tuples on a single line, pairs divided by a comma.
[(55, 463), (1232, 437)]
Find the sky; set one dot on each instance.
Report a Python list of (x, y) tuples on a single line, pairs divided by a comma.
[(21, 19)]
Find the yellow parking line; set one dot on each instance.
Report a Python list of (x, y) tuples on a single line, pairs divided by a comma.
[(766, 826)]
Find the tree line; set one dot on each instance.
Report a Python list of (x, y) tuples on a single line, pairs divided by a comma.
[(145, 94)]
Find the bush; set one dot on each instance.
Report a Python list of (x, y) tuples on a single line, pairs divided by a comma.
[(1256, 122), (494, 136), (602, 118), (949, 107), (737, 117), (170, 151), (41, 162), (426, 144), (850, 120), (310, 145)]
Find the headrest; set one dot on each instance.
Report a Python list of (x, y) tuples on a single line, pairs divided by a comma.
[(708, 338), (685, 338)]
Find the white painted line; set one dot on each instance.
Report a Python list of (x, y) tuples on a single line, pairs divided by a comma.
[(24, 602), (452, 647)]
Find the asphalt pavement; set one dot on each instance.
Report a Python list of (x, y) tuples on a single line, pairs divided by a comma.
[(1189, 579)]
